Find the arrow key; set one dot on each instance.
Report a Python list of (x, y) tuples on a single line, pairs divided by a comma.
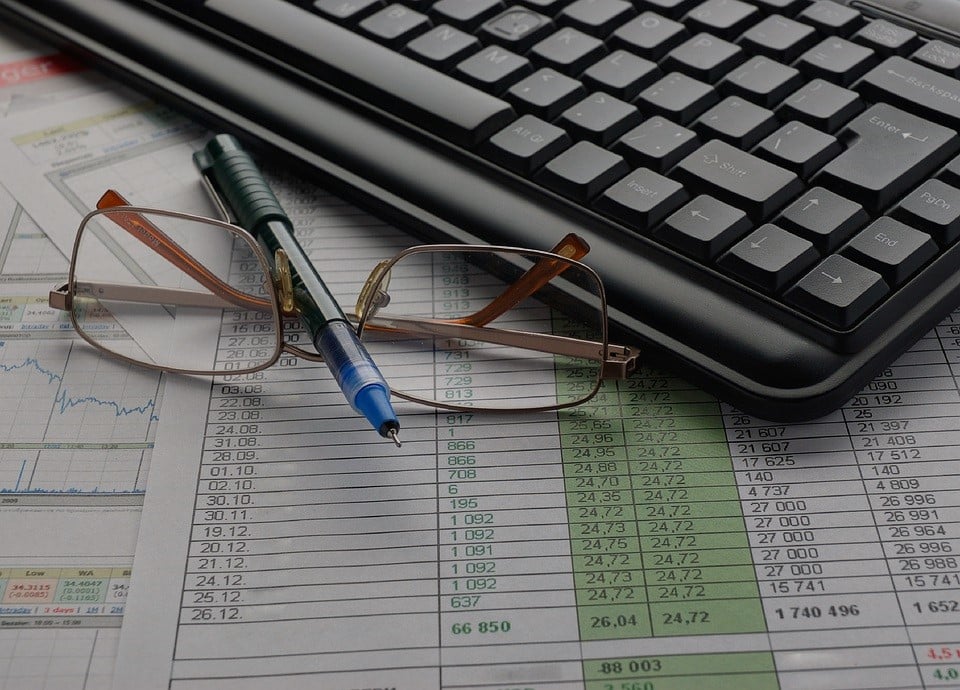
[(704, 227), (770, 257), (838, 291), (824, 218)]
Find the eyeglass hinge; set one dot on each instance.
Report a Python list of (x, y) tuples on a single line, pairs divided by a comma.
[(620, 362), (60, 298)]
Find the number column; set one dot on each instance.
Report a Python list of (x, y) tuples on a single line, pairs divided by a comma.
[(608, 565), (821, 568), (905, 427), (699, 573), (507, 607)]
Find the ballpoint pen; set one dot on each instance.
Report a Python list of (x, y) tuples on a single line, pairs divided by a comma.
[(235, 177)]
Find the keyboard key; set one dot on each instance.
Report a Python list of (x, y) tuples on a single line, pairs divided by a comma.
[(518, 28), (678, 97), (569, 51), (704, 57), (770, 258), (890, 151), (342, 11), (493, 69), (526, 145), (831, 18), (941, 56), (915, 88), (824, 218), (736, 122), (582, 171), (704, 227), (621, 74), (779, 38), (887, 38), (800, 148), (739, 178), (395, 25), (442, 47), (599, 118), (762, 81), (641, 199), (838, 291), (893, 249), (649, 35), (724, 18), (596, 17), (933, 207), (546, 93), (439, 103), (657, 143), (837, 60), (822, 105), (465, 14)]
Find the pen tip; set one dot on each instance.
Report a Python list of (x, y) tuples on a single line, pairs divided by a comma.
[(393, 436)]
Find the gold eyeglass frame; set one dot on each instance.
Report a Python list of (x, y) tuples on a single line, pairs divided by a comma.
[(617, 361)]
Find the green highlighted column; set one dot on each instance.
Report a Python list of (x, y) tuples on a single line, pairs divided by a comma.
[(658, 537)]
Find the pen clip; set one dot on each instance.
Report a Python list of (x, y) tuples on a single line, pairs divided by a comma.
[(288, 306), (214, 193)]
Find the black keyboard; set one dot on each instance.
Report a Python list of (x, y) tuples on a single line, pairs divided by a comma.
[(771, 188)]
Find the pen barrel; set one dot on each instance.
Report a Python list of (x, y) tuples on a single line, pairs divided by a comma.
[(239, 180), (347, 358), (358, 377)]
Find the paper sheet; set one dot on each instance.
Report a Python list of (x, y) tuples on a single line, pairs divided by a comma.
[(76, 429), (651, 539)]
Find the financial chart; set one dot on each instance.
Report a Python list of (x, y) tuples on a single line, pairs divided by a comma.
[(72, 423)]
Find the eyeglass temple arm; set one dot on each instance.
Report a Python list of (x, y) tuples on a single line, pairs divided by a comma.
[(542, 272), (144, 294), (157, 240), (617, 362)]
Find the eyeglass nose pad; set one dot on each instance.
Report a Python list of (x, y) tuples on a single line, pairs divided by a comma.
[(381, 299), (373, 295)]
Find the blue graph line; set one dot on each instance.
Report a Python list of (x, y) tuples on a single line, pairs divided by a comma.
[(72, 490), (64, 402), (31, 362)]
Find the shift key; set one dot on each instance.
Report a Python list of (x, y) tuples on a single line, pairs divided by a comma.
[(890, 152), (739, 178)]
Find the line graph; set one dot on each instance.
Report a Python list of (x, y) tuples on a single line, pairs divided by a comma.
[(64, 401), (72, 421)]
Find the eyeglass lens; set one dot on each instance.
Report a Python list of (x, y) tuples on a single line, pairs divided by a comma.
[(165, 290), (468, 286)]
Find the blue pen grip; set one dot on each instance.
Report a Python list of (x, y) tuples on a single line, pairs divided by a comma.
[(240, 181)]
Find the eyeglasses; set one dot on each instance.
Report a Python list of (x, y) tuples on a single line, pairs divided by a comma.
[(459, 327)]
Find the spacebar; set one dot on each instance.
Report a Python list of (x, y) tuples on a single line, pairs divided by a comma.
[(393, 82)]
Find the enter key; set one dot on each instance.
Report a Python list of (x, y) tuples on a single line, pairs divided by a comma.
[(889, 151)]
